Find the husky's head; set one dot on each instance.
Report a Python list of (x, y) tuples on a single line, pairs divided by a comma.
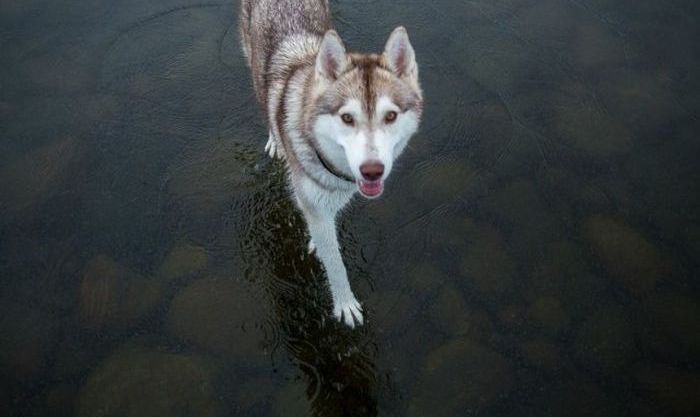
[(365, 107)]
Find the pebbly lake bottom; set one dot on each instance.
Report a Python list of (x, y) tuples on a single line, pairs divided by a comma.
[(536, 252)]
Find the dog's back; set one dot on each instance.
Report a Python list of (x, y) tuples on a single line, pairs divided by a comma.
[(264, 23)]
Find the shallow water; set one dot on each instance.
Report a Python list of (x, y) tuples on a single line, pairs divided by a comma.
[(536, 252)]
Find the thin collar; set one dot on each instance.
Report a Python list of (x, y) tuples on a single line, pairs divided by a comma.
[(331, 169)]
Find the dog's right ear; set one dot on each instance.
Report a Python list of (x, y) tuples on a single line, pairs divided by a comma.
[(331, 60)]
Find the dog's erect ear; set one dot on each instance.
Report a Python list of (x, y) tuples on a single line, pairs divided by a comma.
[(399, 54), (331, 60)]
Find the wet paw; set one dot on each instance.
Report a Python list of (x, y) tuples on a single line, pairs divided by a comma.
[(348, 311), (273, 148)]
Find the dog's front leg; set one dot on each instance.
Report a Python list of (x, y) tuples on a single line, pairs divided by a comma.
[(345, 306)]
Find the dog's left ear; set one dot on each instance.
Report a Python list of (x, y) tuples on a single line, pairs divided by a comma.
[(399, 54)]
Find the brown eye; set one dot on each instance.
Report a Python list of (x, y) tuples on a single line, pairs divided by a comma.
[(390, 116), (347, 119)]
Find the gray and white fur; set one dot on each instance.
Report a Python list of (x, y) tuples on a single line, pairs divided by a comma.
[(338, 119)]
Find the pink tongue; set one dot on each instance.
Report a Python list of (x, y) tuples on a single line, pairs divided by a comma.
[(371, 188)]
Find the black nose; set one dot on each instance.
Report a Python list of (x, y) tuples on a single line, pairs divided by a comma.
[(372, 170)]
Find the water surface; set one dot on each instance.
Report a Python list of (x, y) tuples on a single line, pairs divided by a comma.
[(535, 254)]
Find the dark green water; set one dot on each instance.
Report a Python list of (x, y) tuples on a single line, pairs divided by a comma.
[(536, 253)]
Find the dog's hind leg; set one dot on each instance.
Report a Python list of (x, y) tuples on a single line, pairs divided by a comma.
[(273, 147)]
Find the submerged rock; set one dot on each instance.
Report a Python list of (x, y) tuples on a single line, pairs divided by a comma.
[(675, 320), (404, 353), (220, 315), (605, 342), (512, 316), (627, 256), (676, 389), (425, 278), (549, 314), (392, 311), (640, 100), (519, 205), (447, 233), (443, 181), (486, 264), (544, 23), (460, 378), (135, 381), (450, 314), (27, 338), (494, 58), (563, 272), (524, 217), (73, 357), (31, 178), (184, 259), (60, 400), (542, 354), (597, 47), (112, 296), (584, 124)]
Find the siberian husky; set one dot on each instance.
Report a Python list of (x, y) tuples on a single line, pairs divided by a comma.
[(338, 119)]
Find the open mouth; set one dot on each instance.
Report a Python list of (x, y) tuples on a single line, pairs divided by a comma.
[(370, 189)]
